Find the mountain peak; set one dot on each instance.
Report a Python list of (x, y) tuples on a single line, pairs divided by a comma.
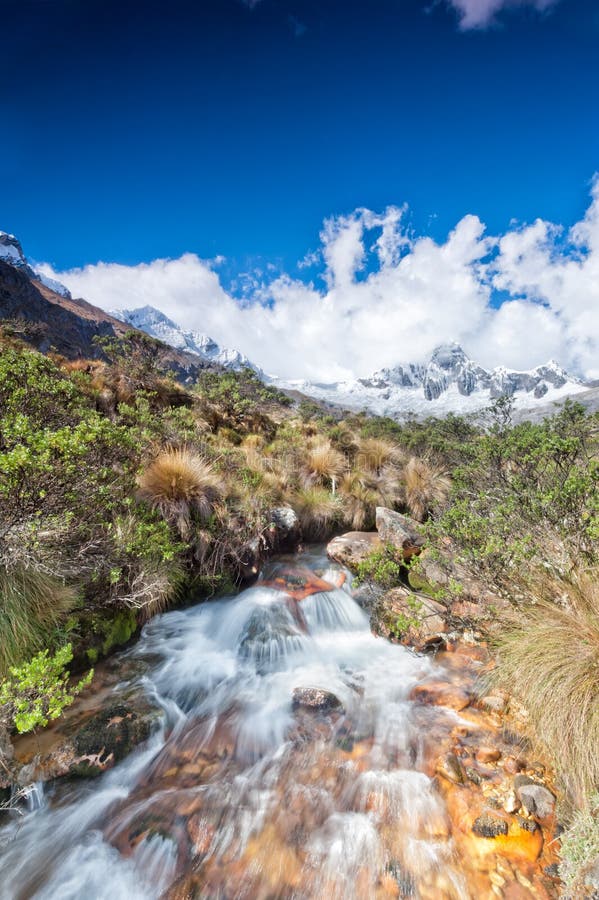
[(157, 324), (11, 252)]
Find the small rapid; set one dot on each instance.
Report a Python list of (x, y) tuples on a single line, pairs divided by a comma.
[(249, 788)]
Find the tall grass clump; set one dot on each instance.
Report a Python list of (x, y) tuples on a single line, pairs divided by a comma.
[(181, 486), (33, 605), (549, 659), (318, 511), (324, 464), (425, 486), (375, 454)]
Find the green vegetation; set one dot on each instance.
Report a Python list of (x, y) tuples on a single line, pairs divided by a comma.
[(580, 847), (383, 566), (122, 491), (37, 692)]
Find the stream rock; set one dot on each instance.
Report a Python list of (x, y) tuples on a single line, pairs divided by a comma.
[(96, 745), (490, 826), (352, 548), (400, 531), (416, 621), (536, 799), (315, 699)]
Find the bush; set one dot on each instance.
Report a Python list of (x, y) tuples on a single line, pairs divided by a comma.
[(37, 692), (382, 566)]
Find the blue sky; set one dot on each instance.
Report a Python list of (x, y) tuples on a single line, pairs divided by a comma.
[(137, 131), (133, 130)]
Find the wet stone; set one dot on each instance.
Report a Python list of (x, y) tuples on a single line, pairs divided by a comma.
[(490, 826), (315, 699), (537, 800), (451, 768)]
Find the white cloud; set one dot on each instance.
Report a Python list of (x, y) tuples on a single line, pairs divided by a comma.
[(482, 13), (387, 297)]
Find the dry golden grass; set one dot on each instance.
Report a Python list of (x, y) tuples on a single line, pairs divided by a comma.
[(549, 659), (318, 511), (374, 454), (359, 502), (181, 485), (425, 486), (323, 463), (32, 605)]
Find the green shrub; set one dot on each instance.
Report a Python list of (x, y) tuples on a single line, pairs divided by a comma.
[(37, 692), (383, 566)]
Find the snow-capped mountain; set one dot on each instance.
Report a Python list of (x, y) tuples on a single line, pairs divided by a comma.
[(156, 324), (12, 253), (449, 382)]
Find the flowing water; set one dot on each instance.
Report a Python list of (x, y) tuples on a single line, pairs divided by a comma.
[(245, 791)]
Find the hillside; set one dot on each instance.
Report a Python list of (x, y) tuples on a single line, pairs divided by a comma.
[(51, 321)]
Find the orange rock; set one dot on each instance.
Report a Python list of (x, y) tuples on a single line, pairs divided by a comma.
[(441, 693), (201, 834), (488, 754)]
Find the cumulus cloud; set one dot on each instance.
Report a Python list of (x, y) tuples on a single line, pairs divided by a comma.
[(482, 13), (385, 296)]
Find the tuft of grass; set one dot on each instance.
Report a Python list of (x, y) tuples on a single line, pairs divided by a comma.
[(318, 511), (549, 658), (33, 605), (375, 454), (323, 464), (181, 486), (425, 486), (579, 847)]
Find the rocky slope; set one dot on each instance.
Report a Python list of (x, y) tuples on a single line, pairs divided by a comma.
[(12, 253), (155, 323)]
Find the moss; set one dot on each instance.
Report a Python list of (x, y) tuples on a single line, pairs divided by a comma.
[(118, 630), (92, 654)]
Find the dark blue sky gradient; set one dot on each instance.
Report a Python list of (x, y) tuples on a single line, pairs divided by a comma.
[(138, 129)]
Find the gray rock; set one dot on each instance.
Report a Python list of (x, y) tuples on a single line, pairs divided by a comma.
[(537, 800), (315, 699), (352, 548), (287, 529), (399, 530)]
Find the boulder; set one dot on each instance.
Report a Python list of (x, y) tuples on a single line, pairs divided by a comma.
[(96, 745), (437, 572), (315, 699), (352, 548), (287, 530), (400, 531)]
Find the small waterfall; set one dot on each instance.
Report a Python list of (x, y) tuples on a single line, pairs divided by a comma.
[(247, 790)]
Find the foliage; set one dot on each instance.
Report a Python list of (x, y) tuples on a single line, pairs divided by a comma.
[(383, 566), (406, 622), (580, 846), (37, 692)]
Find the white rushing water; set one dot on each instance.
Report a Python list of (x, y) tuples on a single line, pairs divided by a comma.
[(341, 789)]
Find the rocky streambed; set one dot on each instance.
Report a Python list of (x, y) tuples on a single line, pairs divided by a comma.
[(269, 745)]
